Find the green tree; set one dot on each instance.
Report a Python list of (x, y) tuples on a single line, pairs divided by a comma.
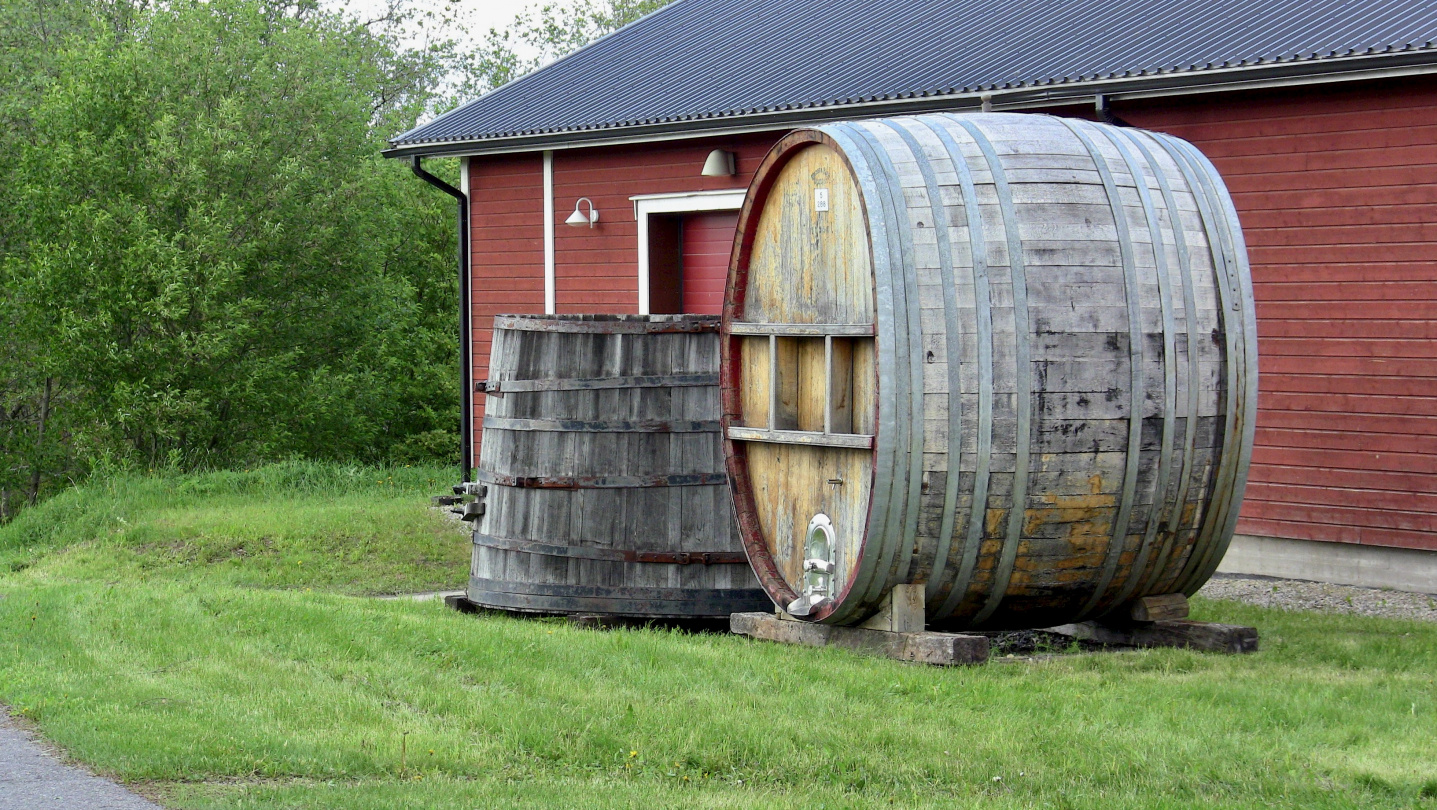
[(204, 261), (207, 262)]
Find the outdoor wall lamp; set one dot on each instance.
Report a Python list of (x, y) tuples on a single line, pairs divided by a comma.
[(719, 164), (578, 219)]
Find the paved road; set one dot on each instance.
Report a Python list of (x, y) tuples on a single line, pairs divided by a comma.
[(31, 779)]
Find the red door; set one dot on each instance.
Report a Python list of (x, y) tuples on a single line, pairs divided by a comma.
[(706, 241)]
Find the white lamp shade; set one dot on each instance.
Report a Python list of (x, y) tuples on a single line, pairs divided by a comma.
[(579, 219), (719, 164)]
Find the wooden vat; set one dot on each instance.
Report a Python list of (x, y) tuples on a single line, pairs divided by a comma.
[(601, 454), (993, 362)]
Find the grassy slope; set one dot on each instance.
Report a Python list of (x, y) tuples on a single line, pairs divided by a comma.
[(215, 693), (349, 529)]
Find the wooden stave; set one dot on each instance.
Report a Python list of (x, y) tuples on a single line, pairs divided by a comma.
[(862, 147), (535, 575)]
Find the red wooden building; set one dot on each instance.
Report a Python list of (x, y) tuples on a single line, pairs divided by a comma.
[(1321, 115)]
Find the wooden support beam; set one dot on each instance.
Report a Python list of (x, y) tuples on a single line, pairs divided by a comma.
[(461, 603), (1203, 636), (902, 611), (1166, 607), (941, 649)]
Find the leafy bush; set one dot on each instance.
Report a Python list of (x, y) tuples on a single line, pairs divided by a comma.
[(207, 262)]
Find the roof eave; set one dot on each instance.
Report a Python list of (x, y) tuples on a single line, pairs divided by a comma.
[(1245, 77)]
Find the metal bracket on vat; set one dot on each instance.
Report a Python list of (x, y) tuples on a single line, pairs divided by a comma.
[(818, 567), (475, 508)]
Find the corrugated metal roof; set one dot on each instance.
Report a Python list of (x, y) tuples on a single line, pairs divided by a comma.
[(699, 60)]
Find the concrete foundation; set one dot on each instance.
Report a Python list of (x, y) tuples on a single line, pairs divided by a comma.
[(1400, 569)]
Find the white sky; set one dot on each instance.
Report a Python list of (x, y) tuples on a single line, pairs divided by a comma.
[(496, 13), (481, 14)]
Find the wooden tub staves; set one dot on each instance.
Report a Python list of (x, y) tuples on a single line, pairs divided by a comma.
[(971, 352), (606, 490)]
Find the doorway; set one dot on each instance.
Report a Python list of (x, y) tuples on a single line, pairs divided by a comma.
[(688, 261)]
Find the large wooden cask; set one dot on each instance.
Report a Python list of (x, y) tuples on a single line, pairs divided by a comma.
[(601, 454), (1010, 357)]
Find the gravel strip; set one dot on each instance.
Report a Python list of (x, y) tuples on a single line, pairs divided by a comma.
[(32, 778), (1295, 594)]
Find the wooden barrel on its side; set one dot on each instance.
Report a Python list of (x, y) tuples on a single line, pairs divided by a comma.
[(1009, 357), (601, 454)]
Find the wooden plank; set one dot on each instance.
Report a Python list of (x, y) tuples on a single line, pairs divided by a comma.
[(609, 324), (809, 438), (1364, 535), (1337, 435), (1353, 366), (938, 649), (797, 247), (1376, 518), (1353, 479), (811, 386), (902, 611), (1338, 273), (1347, 404), (1342, 346), (802, 329), (1331, 459), (596, 383), (1349, 384), (783, 393), (1312, 291), (755, 397), (1204, 636), (840, 386), (603, 425), (1339, 496), (865, 386), (1164, 607)]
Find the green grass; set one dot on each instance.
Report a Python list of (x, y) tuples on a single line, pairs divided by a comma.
[(206, 686), (350, 529)]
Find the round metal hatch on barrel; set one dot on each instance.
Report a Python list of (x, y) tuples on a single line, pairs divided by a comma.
[(1009, 357)]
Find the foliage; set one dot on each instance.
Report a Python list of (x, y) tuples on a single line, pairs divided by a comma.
[(543, 33), (205, 260)]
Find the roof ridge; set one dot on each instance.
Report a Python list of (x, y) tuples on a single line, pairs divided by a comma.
[(707, 64)]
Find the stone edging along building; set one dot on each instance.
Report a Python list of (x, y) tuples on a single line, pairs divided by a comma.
[(1320, 114)]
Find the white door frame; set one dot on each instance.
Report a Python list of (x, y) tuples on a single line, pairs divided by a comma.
[(682, 202)]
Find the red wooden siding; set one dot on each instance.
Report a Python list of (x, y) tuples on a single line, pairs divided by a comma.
[(506, 221), (1337, 192), (597, 269), (707, 239)]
